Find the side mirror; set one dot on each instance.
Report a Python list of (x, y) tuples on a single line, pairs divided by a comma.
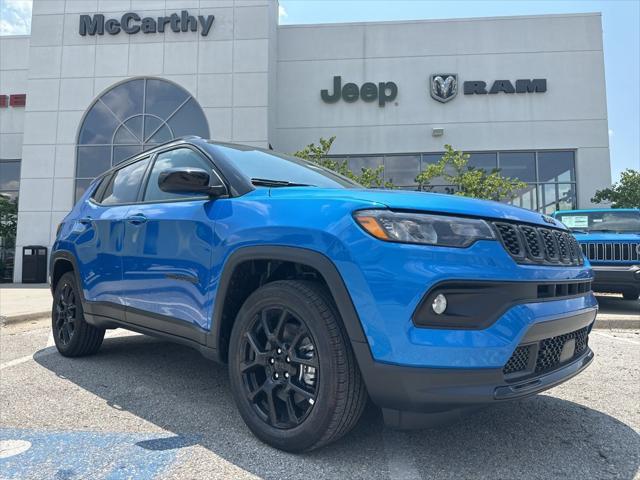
[(190, 180)]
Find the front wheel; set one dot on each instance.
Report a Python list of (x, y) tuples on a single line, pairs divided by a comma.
[(292, 371), (72, 335)]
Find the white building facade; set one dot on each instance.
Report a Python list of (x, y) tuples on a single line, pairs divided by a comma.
[(105, 79)]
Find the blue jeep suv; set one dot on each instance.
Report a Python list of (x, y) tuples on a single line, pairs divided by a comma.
[(320, 294), (610, 239)]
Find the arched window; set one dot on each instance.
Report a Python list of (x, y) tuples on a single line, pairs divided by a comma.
[(130, 117)]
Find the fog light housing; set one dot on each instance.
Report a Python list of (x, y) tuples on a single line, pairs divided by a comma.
[(439, 304)]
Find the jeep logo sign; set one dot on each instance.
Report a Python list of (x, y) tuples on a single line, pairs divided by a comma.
[(131, 23), (369, 92)]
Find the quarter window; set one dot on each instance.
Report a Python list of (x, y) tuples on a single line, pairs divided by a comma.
[(180, 157)]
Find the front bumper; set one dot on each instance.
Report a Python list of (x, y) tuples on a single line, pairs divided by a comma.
[(404, 392), (616, 279)]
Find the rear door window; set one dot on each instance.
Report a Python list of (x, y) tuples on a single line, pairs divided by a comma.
[(125, 184)]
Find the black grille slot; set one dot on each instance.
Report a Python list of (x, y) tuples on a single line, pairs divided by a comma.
[(556, 290), (529, 244), (518, 361), (546, 355), (532, 241), (510, 239), (550, 349)]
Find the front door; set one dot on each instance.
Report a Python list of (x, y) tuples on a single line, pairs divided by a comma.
[(168, 247)]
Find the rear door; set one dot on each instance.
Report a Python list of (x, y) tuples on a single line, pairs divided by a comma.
[(168, 248), (100, 230)]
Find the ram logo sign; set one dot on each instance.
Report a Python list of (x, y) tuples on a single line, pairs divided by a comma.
[(444, 86)]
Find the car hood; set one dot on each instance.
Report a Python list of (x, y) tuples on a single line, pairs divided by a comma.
[(423, 201), (607, 237)]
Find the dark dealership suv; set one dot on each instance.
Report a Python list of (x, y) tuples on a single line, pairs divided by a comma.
[(320, 294)]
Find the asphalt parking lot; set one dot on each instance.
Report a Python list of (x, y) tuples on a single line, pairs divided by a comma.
[(143, 408)]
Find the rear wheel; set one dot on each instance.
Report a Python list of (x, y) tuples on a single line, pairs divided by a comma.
[(72, 335), (292, 371), (631, 295)]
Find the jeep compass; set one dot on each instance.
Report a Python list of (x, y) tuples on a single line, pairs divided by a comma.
[(320, 294)]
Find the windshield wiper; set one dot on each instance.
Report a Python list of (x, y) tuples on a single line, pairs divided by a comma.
[(265, 182), (577, 230)]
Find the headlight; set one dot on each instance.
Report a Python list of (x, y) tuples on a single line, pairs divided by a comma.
[(423, 228)]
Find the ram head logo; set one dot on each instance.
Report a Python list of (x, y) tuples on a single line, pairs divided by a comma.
[(444, 86)]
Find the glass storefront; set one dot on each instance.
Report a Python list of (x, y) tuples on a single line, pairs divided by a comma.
[(549, 174), (9, 186)]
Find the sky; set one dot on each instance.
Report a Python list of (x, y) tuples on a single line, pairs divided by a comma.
[(621, 27)]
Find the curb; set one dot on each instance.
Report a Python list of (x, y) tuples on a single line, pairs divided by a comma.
[(626, 323), (25, 317)]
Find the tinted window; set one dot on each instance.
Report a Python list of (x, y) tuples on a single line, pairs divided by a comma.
[(125, 184), (520, 165), (483, 161), (556, 167), (258, 164), (402, 170), (181, 157)]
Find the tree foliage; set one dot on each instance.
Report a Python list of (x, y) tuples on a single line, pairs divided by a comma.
[(8, 217), (469, 181), (368, 177), (623, 194)]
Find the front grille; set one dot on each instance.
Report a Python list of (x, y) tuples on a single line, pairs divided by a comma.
[(611, 251), (530, 244), (518, 361), (546, 353), (563, 289)]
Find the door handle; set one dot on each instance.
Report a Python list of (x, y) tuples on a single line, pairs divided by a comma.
[(137, 219), (85, 220)]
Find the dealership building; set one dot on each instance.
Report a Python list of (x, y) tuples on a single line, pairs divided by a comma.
[(99, 81)]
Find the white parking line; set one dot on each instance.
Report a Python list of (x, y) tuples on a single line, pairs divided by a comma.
[(622, 339), (17, 361)]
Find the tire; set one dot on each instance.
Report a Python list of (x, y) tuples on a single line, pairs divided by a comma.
[(73, 336), (632, 295), (310, 392)]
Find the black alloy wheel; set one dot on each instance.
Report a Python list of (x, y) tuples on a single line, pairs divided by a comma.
[(65, 314), (292, 371), (280, 368), (72, 335)]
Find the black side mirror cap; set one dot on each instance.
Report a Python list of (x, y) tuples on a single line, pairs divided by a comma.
[(190, 180)]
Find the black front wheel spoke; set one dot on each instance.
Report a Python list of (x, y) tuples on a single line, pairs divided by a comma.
[(279, 368)]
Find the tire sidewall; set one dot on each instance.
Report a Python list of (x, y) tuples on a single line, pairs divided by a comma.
[(310, 431)]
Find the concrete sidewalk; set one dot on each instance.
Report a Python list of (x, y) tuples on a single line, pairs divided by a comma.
[(21, 302)]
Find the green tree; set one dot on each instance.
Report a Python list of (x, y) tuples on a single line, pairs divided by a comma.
[(623, 194), (469, 181), (8, 218), (369, 177)]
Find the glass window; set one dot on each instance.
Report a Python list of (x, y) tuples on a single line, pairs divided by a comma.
[(554, 196), (526, 198), (484, 161), (356, 164), (125, 184), (556, 166), (134, 116), (402, 170), (92, 161), (617, 221), (520, 165), (10, 175), (181, 157)]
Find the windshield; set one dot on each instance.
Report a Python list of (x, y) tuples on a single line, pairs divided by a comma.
[(606, 221), (270, 169)]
